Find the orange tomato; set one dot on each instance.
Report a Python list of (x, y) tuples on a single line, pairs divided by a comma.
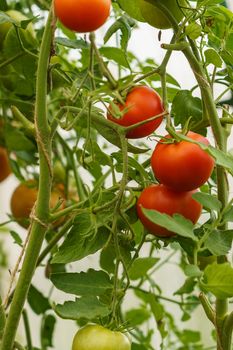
[(5, 169), (24, 198), (82, 16)]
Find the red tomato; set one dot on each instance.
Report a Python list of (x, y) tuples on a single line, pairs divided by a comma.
[(82, 16), (165, 200), (182, 166), (141, 103), (4, 164)]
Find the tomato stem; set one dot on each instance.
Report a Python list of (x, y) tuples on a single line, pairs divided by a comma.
[(41, 217)]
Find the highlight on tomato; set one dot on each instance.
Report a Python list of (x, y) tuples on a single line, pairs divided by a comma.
[(82, 16), (24, 197), (96, 337), (156, 17), (167, 201), (182, 166), (142, 103), (4, 164)]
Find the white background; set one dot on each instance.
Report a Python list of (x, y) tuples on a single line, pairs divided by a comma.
[(144, 44)]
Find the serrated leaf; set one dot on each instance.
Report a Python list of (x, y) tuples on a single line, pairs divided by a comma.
[(208, 201), (141, 266), (82, 240), (218, 279), (123, 25), (219, 242), (176, 223), (92, 282), (186, 106), (87, 307)]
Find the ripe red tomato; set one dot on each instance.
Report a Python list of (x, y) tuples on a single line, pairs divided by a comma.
[(96, 337), (167, 201), (182, 166), (82, 16), (4, 164), (141, 103)]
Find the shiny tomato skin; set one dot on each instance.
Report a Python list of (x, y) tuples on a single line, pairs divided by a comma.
[(182, 166), (96, 337), (167, 201), (82, 16), (5, 169), (141, 103)]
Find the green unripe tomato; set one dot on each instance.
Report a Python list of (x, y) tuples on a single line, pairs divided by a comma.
[(18, 17), (156, 18), (95, 337)]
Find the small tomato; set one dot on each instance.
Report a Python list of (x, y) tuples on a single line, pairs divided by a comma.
[(141, 103)]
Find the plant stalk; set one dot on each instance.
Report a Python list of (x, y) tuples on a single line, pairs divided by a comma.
[(41, 217)]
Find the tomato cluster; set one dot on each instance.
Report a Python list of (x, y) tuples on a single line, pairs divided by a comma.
[(180, 167)]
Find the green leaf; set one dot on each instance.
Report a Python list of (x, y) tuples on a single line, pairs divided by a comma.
[(192, 271), (83, 239), (141, 266), (132, 8), (208, 201), (187, 287), (219, 242), (177, 223), (92, 282), (136, 317), (115, 54), (87, 307), (2, 318), (124, 26), (186, 106), (212, 57), (17, 141), (193, 30), (218, 279), (47, 331), (72, 44), (37, 301)]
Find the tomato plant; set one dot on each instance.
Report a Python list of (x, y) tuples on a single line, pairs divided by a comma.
[(167, 201), (4, 164), (182, 165), (95, 337), (141, 103), (81, 15), (156, 17)]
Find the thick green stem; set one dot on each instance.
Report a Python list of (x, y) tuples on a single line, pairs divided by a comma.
[(41, 216)]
